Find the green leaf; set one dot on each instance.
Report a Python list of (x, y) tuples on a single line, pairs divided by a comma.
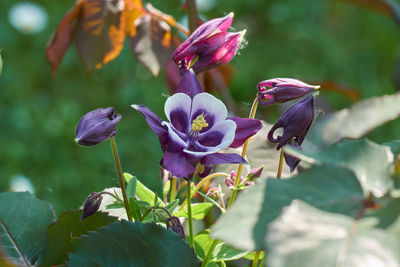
[(131, 188), (331, 188), (135, 209), (388, 212), (1, 63), (64, 234), (116, 205), (142, 192), (369, 161), (199, 211), (125, 243), (23, 224), (160, 215), (222, 252), (354, 122), (394, 146), (306, 236)]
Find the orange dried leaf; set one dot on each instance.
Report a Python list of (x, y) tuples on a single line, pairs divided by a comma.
[(62, 37), (376, 5), (351, 93), (100, 32), (133, 10)]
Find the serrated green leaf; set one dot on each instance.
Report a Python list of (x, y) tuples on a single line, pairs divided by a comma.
[(306, 236), (131, 188), (64, 234), (354, 122), (144, 193), (222, 252), (23, 223), (125, 243), (369, 161), (199, 211), (331, 188)]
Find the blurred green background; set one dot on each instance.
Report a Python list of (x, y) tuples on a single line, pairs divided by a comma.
[(317, 40)]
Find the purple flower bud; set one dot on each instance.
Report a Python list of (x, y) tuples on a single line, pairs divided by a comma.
[(282, 90), (175, 225), (97, 126), (217, 50), (92, 205), (295, 123), (255, 173), (230, 181), (210, 43)]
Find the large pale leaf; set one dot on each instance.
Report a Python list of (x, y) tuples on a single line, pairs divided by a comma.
[(153, 44), (100, 32), (369, 161), (125, 243), (142, 192), (354, 122), (23, 224), (64, 234), (306, 236), (331, 188)]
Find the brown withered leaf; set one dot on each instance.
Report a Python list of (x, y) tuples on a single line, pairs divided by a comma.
[(351, 93), (100, 32), (62, 37), (133, 10), (376, 5), (153, 43)]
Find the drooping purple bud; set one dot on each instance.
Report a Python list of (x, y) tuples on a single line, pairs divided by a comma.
[(92, 205), (175, 225), (282, 90), (255, 173), (97, 126), (295, 123), (217, 50)]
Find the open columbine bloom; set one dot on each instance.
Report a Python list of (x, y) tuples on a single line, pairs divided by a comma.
[(210, 44), (196, 129), (282, 90), (295, 123)]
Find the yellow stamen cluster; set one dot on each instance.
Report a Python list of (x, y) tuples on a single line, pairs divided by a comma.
[(199, 123)]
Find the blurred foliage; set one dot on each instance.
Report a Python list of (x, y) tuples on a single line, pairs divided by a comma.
[(322, 40)]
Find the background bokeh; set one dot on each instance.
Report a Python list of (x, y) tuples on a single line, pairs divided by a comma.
[(318, 40)]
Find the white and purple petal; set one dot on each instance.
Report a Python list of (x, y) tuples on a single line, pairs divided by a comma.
[(177, 110), (176, 140), (213, 108), (222, 158)]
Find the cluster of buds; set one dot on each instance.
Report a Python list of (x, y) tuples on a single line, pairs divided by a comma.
[(296, 120), (209, 46), (248, 181)]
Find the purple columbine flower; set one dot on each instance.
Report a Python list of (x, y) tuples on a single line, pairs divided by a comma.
[(210, 43), (282, 90), (197, 128), (295, 123), (97, 126)]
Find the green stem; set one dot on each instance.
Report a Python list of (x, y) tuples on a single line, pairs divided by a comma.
[(263, 259), (173, 190), (120, 177), (244, 150), (209, 253), (201, 183), (189, 208), (279, 173), (256, 259), (192, 14)]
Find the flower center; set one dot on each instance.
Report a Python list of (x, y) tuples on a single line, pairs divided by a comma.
[(199, 123)]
